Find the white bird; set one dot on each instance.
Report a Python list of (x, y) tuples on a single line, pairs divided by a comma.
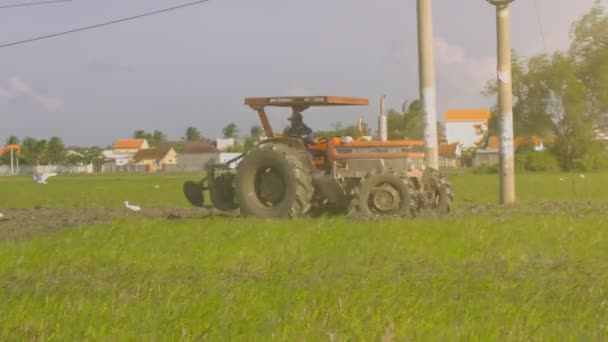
[(1, 216), (562, 179), (157, 186), (132, 207), (582, 175), (41, 178)]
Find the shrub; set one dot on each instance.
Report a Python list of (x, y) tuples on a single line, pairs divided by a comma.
[(595, 159), (526, 159), (485, 169)]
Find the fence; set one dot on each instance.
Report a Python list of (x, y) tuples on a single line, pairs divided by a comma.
[(24, 169)]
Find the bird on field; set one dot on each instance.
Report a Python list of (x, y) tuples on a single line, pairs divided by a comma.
[(41, 178), (132, 207), (582, 176), (1, 216), (562, 179), (157, 186)]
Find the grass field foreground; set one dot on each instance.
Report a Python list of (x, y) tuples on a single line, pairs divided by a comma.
[(323, 279), (535, 271)]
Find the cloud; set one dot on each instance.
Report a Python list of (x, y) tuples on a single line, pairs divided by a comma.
[(18, 90), (460, 76)]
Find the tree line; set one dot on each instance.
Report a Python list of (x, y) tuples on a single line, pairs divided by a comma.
[(565, 94)]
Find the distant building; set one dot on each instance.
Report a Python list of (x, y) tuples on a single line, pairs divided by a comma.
[(600, 135), (226, 157), (535, 142), (129, 146), (223, 144), (489, 155), (155, 159), (449, 155), (196, 155), (468, 126)]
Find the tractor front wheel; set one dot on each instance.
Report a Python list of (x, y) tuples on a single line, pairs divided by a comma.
[(437, 194), (384, 195)]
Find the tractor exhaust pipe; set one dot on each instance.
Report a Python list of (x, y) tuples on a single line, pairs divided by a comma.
[(382, 124)]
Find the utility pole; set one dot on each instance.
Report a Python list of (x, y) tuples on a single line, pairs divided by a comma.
[(12, 162), (428, 93), (382, 128), (505, 101)]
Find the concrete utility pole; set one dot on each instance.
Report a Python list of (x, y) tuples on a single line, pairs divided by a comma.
[(428, 94), (382, 127), (12, 162), (505, 102)]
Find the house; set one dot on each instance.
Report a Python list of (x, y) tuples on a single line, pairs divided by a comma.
[(449, 155), (490, 154), (223, 144), (196, 155), (537, 143), (467, 126), (155, 159), (129, 146)]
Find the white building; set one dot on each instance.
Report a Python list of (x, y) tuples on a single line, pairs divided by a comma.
[(468, 126), (223, 144)]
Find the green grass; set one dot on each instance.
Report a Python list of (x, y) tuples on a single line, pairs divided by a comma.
[(253, 280), (517, 276), (111, 190), (107, 191)]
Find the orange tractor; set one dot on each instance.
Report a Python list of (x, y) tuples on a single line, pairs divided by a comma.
[(285, 177)]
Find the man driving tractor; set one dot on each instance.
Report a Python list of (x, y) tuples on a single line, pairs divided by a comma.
[(298, 128)]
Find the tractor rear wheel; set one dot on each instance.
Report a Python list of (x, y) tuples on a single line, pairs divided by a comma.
[(274, 181), (437, 193), (383, 195)]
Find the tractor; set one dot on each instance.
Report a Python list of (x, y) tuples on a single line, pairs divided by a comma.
[(285, 177)]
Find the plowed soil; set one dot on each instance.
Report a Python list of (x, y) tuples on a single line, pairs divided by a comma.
[(21, 223)]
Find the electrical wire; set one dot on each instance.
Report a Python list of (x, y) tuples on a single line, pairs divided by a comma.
[(540, 24), (103, 24), (33, 3)]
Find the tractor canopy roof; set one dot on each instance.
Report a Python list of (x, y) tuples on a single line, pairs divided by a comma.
[(304, 102)]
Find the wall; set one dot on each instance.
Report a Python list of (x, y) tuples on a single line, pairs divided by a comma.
[(464, 133), (192, 162), (23, 169), (486, 157), (449, 162), (170, 158)]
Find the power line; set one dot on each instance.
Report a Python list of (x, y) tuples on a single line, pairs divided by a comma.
[(540, 24), (103, 24), (33, 3)]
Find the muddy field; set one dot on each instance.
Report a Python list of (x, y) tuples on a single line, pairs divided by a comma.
[(23, 223)]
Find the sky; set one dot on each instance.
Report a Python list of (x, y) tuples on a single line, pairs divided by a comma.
[(194, 66)]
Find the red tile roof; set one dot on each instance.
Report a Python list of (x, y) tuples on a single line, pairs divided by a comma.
[(151, 154), (448, 150), (458, 115), (128, 144)]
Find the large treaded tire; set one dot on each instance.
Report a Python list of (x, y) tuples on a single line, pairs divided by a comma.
[(407, 207), (289, 168), (437, 192)]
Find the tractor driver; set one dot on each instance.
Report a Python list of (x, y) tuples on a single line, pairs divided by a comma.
[(298, 128)]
